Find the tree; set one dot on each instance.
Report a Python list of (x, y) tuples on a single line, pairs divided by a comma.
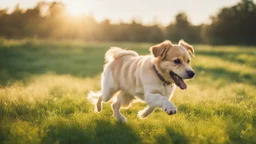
[(183, 29), (234, 25)]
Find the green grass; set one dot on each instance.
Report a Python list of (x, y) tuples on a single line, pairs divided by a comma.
[(43, 88)]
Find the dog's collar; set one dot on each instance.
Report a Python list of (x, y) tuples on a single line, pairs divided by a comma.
[(165, 82)]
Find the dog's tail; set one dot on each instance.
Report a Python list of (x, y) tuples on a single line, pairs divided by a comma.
[(95, 98), (116, 52)]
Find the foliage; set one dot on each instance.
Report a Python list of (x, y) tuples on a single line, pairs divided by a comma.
[(49, 20), (234, 25), (183, 29)]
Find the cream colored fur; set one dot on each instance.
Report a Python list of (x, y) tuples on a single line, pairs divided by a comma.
[(126, 75)]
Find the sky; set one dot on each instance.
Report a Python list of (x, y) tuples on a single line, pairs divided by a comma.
[(144, 11)]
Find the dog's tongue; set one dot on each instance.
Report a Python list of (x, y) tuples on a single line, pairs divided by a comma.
[(182, 83), (178, 81)]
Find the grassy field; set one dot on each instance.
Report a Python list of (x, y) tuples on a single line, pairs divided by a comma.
[(43, 88)]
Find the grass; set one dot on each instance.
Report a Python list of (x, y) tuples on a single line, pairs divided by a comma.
[(43, 85)]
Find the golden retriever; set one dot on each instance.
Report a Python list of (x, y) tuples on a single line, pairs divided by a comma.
[(152, 78)]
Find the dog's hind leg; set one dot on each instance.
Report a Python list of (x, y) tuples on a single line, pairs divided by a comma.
[(108, 84), (95, 98), (145, 112), (109, 88), (120, 102), (98, 105)]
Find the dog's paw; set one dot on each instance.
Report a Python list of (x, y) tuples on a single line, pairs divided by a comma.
[(142, 114), (170, 110), (121, 118)]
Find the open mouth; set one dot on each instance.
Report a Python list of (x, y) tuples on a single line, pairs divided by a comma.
[(178, 81)]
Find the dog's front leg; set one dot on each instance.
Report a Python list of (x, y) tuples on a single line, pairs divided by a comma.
[(145, 112), (157, 100)]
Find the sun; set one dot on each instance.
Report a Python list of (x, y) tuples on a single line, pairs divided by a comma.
[(76, 9)]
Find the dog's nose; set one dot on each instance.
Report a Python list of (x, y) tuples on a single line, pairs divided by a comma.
[(191, 74)]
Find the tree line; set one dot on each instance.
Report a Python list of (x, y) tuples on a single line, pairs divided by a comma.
[(48, 20)]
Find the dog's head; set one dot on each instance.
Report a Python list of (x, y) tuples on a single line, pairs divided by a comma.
[(173, 61)]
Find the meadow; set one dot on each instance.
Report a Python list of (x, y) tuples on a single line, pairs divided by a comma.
[(44, 84)]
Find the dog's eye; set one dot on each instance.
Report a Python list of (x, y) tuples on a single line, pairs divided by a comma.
[(188, 61), (177, 61)]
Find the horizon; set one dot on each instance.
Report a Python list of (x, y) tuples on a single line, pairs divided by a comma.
[(155, 13)]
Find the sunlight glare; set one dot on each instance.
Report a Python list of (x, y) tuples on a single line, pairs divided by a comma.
[(75, 9)]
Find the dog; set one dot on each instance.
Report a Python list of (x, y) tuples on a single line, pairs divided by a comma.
[(151, 78)]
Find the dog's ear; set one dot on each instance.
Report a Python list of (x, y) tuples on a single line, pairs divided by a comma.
[(188, 47), (161, 49)]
